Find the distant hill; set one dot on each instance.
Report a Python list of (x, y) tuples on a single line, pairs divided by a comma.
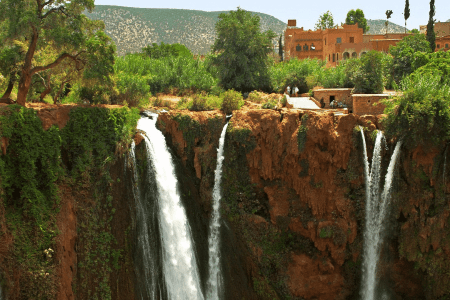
[(379, 27), (134, 28)]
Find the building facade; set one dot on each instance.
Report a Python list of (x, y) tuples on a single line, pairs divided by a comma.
[(334, 44)]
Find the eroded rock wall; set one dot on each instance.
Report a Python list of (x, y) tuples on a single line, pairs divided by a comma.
[(294, 195)]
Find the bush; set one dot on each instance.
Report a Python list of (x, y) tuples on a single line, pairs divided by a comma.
[(270, 104), (232, 100), (422, 114)]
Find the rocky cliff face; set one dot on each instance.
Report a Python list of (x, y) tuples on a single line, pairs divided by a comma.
[(294, 195), (293, 209)]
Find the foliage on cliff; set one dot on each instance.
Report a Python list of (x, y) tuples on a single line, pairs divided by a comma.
[(37, 161)]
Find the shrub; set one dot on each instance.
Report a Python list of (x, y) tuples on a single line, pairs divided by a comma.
[(270, 104), (422, 114), (283, 101), (232, 100), (255, 96)]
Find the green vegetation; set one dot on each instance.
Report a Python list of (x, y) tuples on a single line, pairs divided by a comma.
[(166, 50), (368, 77), (325, 21), (302, 133), (232, 100), (431, 35), (357, 17), (403, 55), (53, 39), (242, 52), (37, 162)]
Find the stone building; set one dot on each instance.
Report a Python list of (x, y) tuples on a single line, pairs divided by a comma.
[(334, 44)]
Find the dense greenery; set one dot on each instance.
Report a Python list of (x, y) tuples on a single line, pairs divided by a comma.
[(36, 163), (166, 50), (431, 35), (403, 54), (53, 39), (242, 52)]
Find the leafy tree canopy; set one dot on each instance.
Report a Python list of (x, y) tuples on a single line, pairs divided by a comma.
[(166, 50), (357, 16), (325, 21), (368, 78), (403, 54), (242, 51), (38, 24)]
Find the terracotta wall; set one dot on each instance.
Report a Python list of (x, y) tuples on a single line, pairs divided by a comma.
[(368, 104), (443, 43), (341, 95)]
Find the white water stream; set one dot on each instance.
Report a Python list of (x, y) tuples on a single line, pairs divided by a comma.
[(376, 209), (179, 264), (215, 278)]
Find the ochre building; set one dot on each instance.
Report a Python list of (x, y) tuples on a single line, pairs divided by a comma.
[(334, 44)]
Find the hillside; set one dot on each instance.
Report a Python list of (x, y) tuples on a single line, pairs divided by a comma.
[(379, 27), (134, 28)]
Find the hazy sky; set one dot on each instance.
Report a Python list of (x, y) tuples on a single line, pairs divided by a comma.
[(307, 12)]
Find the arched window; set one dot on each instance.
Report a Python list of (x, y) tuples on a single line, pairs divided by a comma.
[(305, 47), (346, 55), (354, 55), (298, 47), (363, 53)]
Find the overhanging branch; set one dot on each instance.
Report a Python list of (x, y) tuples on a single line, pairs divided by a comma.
[(57, 62)]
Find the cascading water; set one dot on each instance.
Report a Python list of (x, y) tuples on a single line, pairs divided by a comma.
[(179, 266), (147, 270), (214, 281), (376, 206)]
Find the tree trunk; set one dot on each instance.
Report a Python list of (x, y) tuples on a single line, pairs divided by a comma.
[(9, 89), (25, 76)]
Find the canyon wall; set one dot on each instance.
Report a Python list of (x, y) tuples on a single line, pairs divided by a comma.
[(293, 204)]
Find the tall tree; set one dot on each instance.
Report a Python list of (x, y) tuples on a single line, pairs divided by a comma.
[(325, 21), (280, 47), (407, 12), (242, 51), (388, 16), (39, 23), (431, 35), (357, 17)]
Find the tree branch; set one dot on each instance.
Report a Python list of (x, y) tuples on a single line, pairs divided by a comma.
[(56, 62)]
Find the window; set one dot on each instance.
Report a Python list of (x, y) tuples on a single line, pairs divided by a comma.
[(338, 40), (305, 47), (334, 57), (312, 47), (298, 48), (325, 41), (352, 39), (337, 56), (329, 57), (446, 45), (438, 45)]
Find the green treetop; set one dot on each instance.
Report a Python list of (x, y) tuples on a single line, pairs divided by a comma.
[(325, 21), (357, 16), (60, 24), (242, 51)]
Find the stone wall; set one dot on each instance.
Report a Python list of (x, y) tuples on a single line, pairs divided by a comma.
[(340, 95), (368, 104)]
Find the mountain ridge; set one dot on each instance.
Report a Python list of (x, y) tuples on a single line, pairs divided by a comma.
[(134, 28)]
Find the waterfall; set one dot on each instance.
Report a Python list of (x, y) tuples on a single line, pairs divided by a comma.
[(214, 281), (146, 270), (376, 208), (179, 266)]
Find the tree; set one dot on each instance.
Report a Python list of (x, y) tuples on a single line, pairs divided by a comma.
[(431, 36), (280, 47), (242, 51), (357, 17), (325, 21), (368, 77), (58, 23), (407, 12), (388, 16), (166, 50), (403, 54)]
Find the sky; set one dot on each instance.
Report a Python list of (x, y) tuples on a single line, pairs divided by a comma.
[(308, 12)]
